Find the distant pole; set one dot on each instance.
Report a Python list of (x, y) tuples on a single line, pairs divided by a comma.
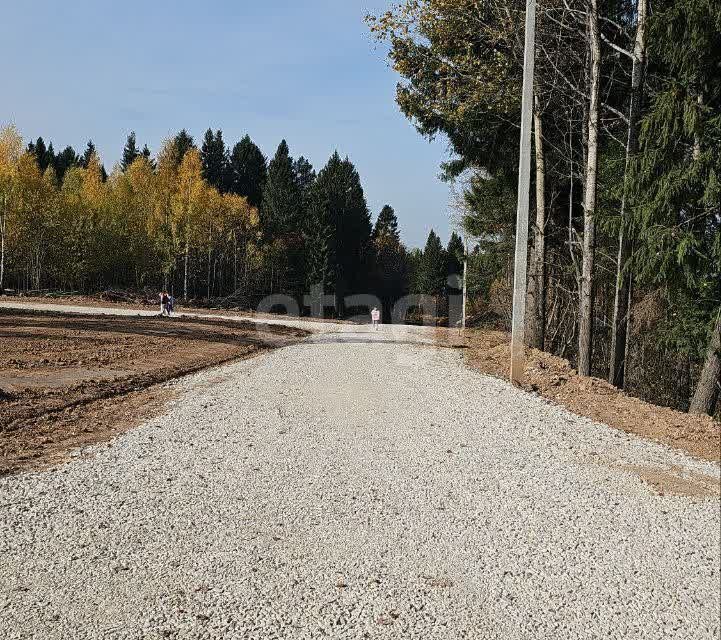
[(465, 271), (524, 184)]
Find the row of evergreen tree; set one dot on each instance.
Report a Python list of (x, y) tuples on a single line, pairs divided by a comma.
[(311, 231)]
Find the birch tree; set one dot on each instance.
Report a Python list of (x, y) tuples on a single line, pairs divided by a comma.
[(622, 302), (585, 312), (189, 204), (10, 152)]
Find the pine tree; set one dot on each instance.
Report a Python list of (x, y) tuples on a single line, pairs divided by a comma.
[(130, 152), (281, 196), (214, 157), (183, 143), (248, 171)]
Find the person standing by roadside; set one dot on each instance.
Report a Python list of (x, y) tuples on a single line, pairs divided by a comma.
[(164, 303), (171, 303), (375, 317)]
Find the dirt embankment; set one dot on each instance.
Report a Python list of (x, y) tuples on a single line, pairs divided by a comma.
[(72, 380), (554, 378)]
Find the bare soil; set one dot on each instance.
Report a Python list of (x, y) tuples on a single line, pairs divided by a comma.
[(69, 380), (554, 378), (112, 300)]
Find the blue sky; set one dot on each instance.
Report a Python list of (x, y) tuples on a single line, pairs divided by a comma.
[(306, 71)]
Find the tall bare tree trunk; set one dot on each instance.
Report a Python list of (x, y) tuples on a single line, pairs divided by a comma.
[(622, 301), (709, 385), (235, 263), (209, 250), (585, 320), (537, 276)]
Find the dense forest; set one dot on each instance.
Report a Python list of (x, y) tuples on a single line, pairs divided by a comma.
[(625, 258), (212, 223)]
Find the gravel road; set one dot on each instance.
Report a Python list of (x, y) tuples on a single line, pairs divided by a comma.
[(391, 333), (350, 487)]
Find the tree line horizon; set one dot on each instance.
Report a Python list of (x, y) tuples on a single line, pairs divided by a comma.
[(205, 221)]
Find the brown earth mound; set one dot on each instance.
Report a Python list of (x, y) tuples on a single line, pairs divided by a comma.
[(554, 378)]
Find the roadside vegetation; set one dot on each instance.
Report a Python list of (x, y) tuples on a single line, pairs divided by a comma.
[(625, 262)]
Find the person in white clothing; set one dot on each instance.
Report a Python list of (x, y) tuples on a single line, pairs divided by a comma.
[(375, 317)]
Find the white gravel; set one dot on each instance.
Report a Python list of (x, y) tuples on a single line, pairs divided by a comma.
[(348, 488)]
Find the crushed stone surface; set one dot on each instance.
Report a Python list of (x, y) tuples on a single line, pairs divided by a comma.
[(354, 486)]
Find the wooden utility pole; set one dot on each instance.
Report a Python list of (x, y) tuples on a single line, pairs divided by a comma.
[(465, 291), (524, 185)]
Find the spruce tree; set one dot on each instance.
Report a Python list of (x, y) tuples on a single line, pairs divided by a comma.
[(281, 196), (248, 171), (390, 273), (183, 143), (355, 249), (318, 250), (130, 152), (214, 158), (677, 190), (432, 271), (454, 255), (45, 156), (87, 155), (339, 206), (49, 160), (146, 154), (304, 173), (66, 159), (386, 225), (305, 177), (89, 151), (38, 150)]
